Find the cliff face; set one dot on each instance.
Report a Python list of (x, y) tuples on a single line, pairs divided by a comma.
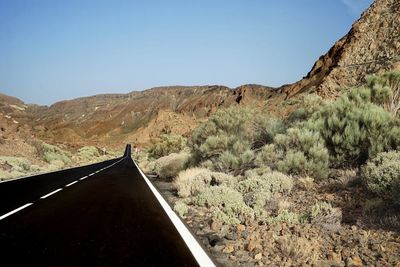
[(372, 45)]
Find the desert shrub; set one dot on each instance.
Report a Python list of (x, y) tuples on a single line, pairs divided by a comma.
[(16, 164), (226, 203), (181, 209), (265, 129), (50, 153), (87, 153), (227, 141), (297, 250), (385, 89), (310, 104), (269, 155), (325, 216), (167, 144), (299, 151), (257, 190), (192, 181), (169, 166), (288, 217), (382, 173), (355, 128)]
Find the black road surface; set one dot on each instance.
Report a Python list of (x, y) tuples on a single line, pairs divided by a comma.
[(108, 219)]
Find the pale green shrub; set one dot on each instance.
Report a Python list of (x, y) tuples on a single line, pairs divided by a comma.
[(169, 166), (87, 154), (386, 91), (355, 128), (265, 129), (382, 173), (257, 190), (325, 216), (167, 144), (288, 217), (299, 151), (227, 204), (51, 153), (16, 164), (192, 181), (181, 209), (269, 156)]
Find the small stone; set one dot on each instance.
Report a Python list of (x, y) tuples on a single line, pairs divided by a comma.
[(240, 228), (244, 234), (231, 236), (258, 256), (228, 249), (251, 246), (215, 225), (334, 257), (354, 227), (356, 261), (232, 257)]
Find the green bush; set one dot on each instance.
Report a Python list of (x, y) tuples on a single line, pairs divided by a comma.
[(299, 151), (385, 90), (265, 129), (382, 173), (192, 181), (311, 104), (51, 153), (288, 217), (257, 190), (181, 209), (228, 140), (355, 128), (167, 144), (226, 203), (87, 154), (169, 166), (325, 216)]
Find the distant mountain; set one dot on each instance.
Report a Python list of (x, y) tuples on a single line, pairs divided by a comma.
[(136, 117)]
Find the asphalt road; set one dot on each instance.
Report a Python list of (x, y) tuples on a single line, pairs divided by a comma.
[(110, 218)]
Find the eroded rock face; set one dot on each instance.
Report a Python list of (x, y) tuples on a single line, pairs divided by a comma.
[(372, 45)]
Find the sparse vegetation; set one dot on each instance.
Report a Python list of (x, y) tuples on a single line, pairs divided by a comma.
[(382, 173), (226, 204), (167, 144), (169, 166)]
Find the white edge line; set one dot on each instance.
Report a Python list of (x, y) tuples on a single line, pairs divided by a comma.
[(14, 211), (84, 177), (51, 193), (197, 251), (74, 182)]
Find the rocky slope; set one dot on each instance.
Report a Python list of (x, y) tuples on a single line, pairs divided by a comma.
[(372, 45), (136, 117)]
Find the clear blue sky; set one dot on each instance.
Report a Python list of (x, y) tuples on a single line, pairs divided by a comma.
[(55, 50)]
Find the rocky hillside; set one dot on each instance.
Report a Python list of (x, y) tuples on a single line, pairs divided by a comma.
[(372, 45), (135, 117)]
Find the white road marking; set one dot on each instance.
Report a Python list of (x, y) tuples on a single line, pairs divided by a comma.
[(14, 211), (71, 183), (84, 177), (49, 194), (197, 251)]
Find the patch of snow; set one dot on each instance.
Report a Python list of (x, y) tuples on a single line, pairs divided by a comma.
[(14, 121), (8, 116), (96, 108)]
